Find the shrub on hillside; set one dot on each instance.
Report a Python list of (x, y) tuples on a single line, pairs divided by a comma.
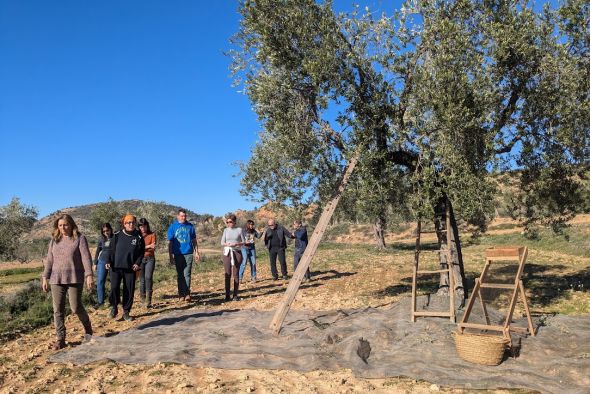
[(16, 219)]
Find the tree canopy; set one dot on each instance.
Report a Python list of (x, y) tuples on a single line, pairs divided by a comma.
[(436, 98)]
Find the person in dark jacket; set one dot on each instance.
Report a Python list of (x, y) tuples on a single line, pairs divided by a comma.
[(101, 259), (300, 235), (128, 249), (275, 239)]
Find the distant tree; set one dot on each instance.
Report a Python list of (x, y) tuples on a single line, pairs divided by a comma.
[(159, 215), (436, 98), (106, 212), (16, 219)]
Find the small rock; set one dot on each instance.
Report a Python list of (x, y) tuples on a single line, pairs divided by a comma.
[(184, 386), (244, 377), (249, 389), (213, 386), (434, 387), (109, 378), (343, 381)]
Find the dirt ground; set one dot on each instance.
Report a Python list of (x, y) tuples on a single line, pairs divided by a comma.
[(345, 276)]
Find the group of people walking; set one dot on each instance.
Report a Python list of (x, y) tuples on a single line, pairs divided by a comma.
[(129, 254)]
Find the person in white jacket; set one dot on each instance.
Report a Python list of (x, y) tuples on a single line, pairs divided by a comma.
[(232, 241)]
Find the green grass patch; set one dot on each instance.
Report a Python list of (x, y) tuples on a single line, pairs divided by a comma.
[(20, 275), (576, 243)]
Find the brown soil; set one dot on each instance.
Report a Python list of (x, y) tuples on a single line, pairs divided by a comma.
[(352, 284)]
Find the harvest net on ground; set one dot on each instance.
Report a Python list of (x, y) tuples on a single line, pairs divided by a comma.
[(372, 342)]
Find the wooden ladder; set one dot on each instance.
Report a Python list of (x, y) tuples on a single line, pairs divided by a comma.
[(505, 255), (449, 270), (314, 241)]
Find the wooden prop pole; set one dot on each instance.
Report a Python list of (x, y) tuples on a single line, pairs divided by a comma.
[(316, 237)]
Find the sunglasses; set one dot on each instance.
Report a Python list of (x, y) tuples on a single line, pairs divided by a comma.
[(229, 221)]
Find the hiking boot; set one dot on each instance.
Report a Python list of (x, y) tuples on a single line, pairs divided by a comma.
[(127, 317), (285, 277), (227, 298), (87, 338), (59, 344), (148, 300), (98, 305), (142, 297), (113, 312), (275, 278), (235, 298)]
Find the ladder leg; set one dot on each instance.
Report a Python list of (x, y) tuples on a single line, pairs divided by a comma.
[(526, 308), (414, 274)]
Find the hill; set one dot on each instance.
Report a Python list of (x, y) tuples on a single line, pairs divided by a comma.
[(83, 215)]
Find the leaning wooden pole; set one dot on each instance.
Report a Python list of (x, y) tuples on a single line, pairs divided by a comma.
[(316, 237)]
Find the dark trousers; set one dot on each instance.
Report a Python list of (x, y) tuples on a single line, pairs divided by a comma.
[(74, 292), (273, 253), (126, 276), (296, 259), (232, 271)]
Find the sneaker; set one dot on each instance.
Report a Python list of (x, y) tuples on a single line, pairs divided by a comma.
[(235, 298), (227, 298), (253, 280), (275, 278), (126, 316), (285, 277), (98, 305), (87, 338), (113, 313)]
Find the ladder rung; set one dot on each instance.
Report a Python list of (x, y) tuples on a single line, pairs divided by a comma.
[(493, 327), (497, 286), (432, 272), (441, 314)]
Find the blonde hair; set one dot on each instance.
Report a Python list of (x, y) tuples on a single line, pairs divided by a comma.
[(56, 235)]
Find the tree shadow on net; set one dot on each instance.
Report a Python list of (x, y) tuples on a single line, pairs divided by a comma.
[(168, 321)]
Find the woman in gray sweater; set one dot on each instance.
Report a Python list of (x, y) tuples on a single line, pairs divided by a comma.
[(232, 241)]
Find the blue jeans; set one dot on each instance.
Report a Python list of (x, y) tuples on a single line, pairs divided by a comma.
[(101, 279), (249, 256), (184, 265)]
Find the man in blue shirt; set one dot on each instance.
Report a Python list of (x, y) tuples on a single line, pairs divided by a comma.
[(182, 245), (300, 235)]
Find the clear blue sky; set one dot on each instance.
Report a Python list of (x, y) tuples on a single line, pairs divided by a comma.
[(129, 99)]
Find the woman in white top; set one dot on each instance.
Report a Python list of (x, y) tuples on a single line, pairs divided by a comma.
[(232, 241)]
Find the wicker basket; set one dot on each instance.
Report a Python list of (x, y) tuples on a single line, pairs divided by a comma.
[(481, 349)]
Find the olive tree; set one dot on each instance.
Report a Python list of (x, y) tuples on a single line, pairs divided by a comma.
[(436, 98)]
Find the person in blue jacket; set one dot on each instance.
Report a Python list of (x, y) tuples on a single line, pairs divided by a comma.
[(182, 249), (301, 241)]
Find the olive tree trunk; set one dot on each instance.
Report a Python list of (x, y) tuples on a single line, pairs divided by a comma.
[(379, 232)]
